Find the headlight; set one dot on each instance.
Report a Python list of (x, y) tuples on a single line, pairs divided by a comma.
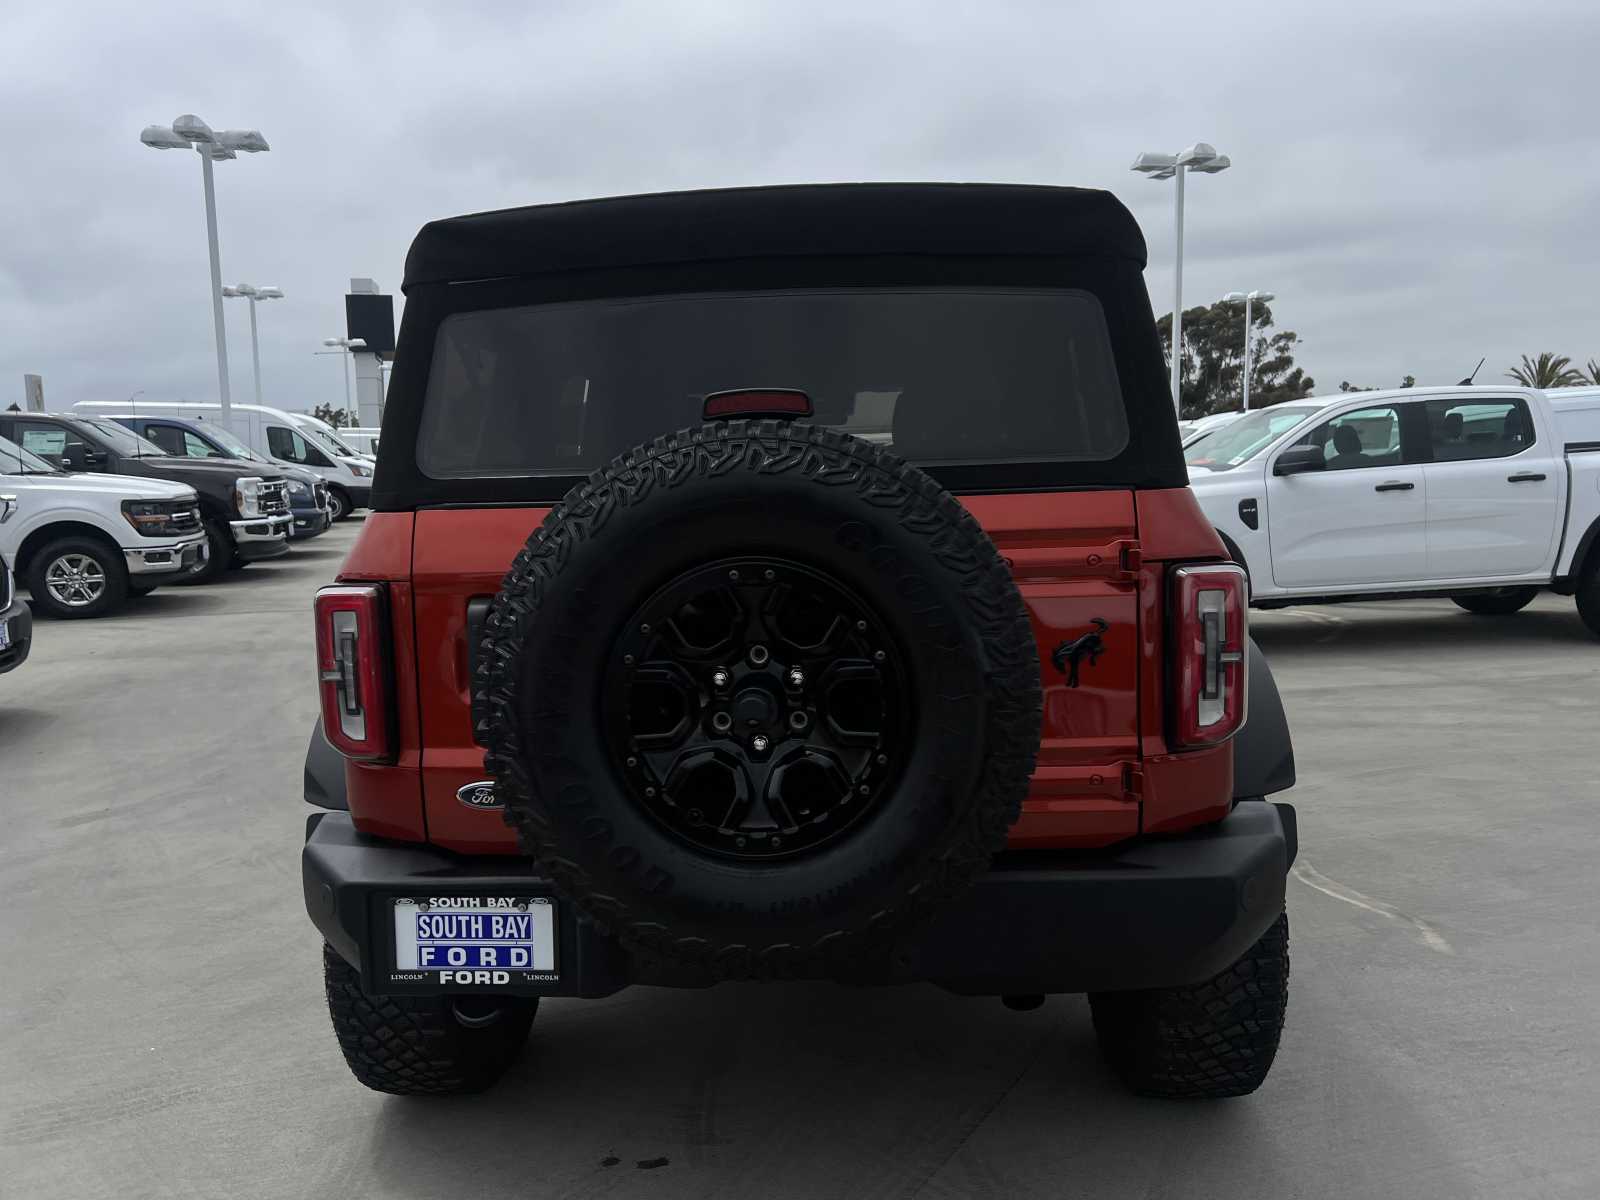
[(247, 496), (161, 518), (296, 488), (359, 471)]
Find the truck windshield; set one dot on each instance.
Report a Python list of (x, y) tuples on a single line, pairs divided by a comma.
[(945, 376), (232, 444), (14, 460), (122, 439), (1246, 437)]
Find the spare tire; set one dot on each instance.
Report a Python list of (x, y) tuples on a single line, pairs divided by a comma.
[(758, 695)]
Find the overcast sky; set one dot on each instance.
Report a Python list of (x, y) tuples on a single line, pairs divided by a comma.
[(1420, 184)]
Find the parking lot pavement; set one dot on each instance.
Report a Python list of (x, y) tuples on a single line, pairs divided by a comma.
[(162, 1031)]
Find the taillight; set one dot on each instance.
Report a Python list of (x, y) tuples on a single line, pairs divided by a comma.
[(352, 670), (1210, 638)]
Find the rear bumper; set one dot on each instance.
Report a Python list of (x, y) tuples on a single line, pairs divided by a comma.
[(261, 537), (1156, 913), (17, 621)]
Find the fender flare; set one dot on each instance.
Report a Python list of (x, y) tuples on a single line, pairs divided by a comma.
[(324, 772), (1263, 752)]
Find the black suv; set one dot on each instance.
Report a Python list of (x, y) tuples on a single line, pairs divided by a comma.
[(245, 508)]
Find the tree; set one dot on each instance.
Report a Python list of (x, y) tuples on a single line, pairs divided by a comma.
[(1592, 370), (1211, 377), (1547, 371), (1346, 386), (337, 417)]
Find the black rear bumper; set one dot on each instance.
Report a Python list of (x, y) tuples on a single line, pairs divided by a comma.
[(1155, 913)]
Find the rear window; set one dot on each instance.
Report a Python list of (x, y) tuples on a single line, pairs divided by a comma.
[(943, 376)]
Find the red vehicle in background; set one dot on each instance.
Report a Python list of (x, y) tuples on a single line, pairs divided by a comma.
[(792, 583)]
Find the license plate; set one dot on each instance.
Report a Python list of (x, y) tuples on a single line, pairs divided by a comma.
[(474, 941)]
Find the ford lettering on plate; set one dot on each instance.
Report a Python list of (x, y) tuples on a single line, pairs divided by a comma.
[(474, 941)]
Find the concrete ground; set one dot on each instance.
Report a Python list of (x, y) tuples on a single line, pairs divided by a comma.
[(162, 1031)]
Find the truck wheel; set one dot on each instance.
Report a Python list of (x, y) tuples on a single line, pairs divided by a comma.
[(338, 505), (219, 554), (77, 577), (423, 1045), (1589, 600), (1501, 602), (757, 695), (1206, 1042)]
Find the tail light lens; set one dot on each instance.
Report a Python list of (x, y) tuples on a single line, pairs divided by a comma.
[(1211, 640), (352, 670)]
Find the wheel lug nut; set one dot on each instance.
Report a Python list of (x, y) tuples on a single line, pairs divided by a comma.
[(720, 677), (864, 790), (632, 761), (759, 743), (759, 656), (797, 677), (878, 656), (861, 626), (769, 575), (798, 720), (721, 722)]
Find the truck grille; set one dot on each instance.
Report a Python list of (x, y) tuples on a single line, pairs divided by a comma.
[(274, 497), (8, 587), (185, 516), (319, 493)]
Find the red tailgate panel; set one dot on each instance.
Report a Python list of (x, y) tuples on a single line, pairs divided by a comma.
[(1066, 549)]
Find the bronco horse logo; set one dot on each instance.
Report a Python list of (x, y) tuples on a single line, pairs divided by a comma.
[(1091, 645)]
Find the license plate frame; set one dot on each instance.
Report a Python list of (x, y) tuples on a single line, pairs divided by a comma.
[(452, 928)]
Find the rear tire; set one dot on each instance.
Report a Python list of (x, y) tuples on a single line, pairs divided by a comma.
[(1501, 602), (423, 1045), (1207, 1042), (1589, 600), (89, 578), (339, 505)]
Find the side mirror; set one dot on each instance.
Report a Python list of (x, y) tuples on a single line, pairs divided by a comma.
[(74, 457), (1297, 460)]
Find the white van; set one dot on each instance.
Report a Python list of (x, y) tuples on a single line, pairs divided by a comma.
[(335, 439), (272, 432), (362, 439)]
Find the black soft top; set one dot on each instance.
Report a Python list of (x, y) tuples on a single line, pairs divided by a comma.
[(844, 219)]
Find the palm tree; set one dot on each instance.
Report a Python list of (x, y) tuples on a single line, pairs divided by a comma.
[(1547, 371), (1592, 370)]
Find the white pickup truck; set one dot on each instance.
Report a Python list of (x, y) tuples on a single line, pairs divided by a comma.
[(82, 544), (1483, 494)]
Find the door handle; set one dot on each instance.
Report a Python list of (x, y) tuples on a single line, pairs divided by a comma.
[(1526, 477), (1394, 486)]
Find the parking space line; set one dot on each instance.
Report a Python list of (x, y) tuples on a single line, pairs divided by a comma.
[(1312, 878)]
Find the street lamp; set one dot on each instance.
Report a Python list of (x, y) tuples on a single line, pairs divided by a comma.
[(1249, 298), (253, 293), (190, 132), (1204, 158), (345, 345)]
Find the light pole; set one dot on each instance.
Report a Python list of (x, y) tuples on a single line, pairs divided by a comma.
[(190, 132), (345, 346), (1202, 157), (1249, 298), (253, 293)]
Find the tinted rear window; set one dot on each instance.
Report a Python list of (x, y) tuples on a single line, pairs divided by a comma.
[(943, 376)]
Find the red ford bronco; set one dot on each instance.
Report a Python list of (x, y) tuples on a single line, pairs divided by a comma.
[(792, 583)]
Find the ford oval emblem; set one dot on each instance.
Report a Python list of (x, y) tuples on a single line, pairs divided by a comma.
[(479, 795)]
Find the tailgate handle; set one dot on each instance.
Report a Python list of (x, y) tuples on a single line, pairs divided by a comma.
[(477, 614)]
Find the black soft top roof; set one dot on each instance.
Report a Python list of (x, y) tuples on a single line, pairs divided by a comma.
[(775, 222)]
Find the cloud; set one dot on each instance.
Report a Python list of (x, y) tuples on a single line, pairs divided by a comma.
[(1415, 182)]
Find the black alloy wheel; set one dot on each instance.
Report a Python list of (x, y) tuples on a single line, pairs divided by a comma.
[(757, 708)]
